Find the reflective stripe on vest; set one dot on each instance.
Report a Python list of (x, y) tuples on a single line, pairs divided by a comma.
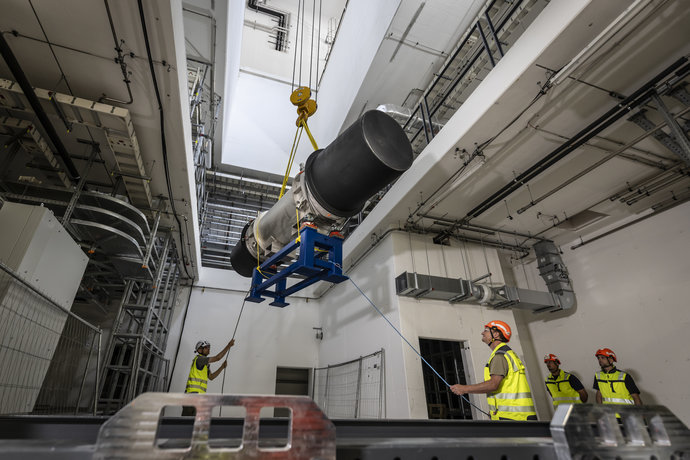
[(561, 390), (198, 379), (513, 398), (612, 388)]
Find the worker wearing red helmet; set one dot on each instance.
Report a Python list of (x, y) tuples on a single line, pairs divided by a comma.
[(505, 382), (614, 386), (563, 387)]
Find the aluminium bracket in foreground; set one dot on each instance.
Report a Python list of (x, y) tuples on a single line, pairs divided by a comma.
[(135, 431), (614, 432), (320, 259)]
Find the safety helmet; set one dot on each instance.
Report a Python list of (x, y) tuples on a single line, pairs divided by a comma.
[(201, 344), (501, 326), (606, 352), (552, 357)]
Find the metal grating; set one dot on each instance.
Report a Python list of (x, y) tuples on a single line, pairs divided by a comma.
[(48, 353), (231, 203)]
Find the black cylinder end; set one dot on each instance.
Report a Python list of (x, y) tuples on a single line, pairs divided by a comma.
[(242, 261)]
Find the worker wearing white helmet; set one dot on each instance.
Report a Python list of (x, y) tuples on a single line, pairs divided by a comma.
[(200, 371), (563, 387)]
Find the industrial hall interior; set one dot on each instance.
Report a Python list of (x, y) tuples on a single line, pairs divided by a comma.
[(393, 219)]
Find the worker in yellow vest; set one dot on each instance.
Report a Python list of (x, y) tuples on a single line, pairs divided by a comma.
[(199, 372), (614, 386), (505, 382), (563, 387)]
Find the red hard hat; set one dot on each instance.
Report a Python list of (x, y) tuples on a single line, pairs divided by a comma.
[(552, 357), (606, 352), (501, 326)]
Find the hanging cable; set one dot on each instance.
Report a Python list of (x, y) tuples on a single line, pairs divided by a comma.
[(311, 46), (222, 386), (294, 61), (164, 148), (318, 56), (412, 346), (301, 44)]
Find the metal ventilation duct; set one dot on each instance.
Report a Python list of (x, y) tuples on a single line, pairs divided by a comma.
[(456, 290)]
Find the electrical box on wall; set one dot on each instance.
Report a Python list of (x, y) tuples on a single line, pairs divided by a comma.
[(35, 246)]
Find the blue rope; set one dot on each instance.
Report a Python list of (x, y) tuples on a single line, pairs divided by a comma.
[(411, 346)]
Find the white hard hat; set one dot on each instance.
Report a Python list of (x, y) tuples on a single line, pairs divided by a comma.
[(201, 344)]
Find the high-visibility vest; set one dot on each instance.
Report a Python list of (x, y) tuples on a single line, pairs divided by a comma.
[(612, 388), (513, 398), (561, 390), (196, 383)]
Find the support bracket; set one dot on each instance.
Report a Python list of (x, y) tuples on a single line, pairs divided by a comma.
[(320, 259)]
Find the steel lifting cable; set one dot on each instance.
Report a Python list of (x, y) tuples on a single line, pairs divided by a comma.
[(222, 387), (412, 346)]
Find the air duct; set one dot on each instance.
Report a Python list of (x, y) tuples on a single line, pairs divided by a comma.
[(334, 185), (456, 290)]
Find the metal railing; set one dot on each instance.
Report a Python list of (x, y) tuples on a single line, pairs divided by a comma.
[(354, 389), (49, 355), (486, 41)]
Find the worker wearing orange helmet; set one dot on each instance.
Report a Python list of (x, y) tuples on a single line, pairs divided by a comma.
[(614, 386), (505, 382), (563, 387)]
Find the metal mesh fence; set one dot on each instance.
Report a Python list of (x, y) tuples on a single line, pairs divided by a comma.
[(355, 389), (48, 355)]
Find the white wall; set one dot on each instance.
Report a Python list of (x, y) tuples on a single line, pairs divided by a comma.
[(261, 126), (631, 290), (352, 328), (267, 337), (440, 320), (362, 29)]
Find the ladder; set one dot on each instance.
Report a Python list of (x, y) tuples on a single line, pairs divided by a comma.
[(135, 358)]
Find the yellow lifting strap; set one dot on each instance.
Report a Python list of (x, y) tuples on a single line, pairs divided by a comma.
[(306, 107)]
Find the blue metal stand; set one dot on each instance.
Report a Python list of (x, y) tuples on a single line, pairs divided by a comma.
[(320, 258)]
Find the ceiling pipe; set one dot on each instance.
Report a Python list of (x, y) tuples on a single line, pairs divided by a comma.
[(622, 108), (42, 116), (120, 60), (592, 167)]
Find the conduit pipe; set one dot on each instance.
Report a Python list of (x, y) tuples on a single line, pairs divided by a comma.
[(595, 165), (680, 67), (334, 185), (42, 116)]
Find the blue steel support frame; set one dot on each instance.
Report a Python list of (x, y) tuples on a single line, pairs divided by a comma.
[(320, 258)]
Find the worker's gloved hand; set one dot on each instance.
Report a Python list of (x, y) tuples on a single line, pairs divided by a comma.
[(224, 365), (232, 342)]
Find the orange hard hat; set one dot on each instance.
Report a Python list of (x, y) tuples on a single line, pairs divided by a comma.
[(552, 357), (501, 326), (606, 352)]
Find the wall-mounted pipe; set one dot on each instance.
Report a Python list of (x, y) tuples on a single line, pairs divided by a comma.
[(281, 18), (334, 185), (42, 116)]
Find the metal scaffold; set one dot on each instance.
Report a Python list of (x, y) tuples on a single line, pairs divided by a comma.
[(135, 358)]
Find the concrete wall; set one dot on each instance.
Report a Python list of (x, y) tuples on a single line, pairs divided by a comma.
[(631, 297), (436, 319), (266, 337)]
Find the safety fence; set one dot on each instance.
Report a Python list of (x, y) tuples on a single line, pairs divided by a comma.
[(49, 355), (354, 389)]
